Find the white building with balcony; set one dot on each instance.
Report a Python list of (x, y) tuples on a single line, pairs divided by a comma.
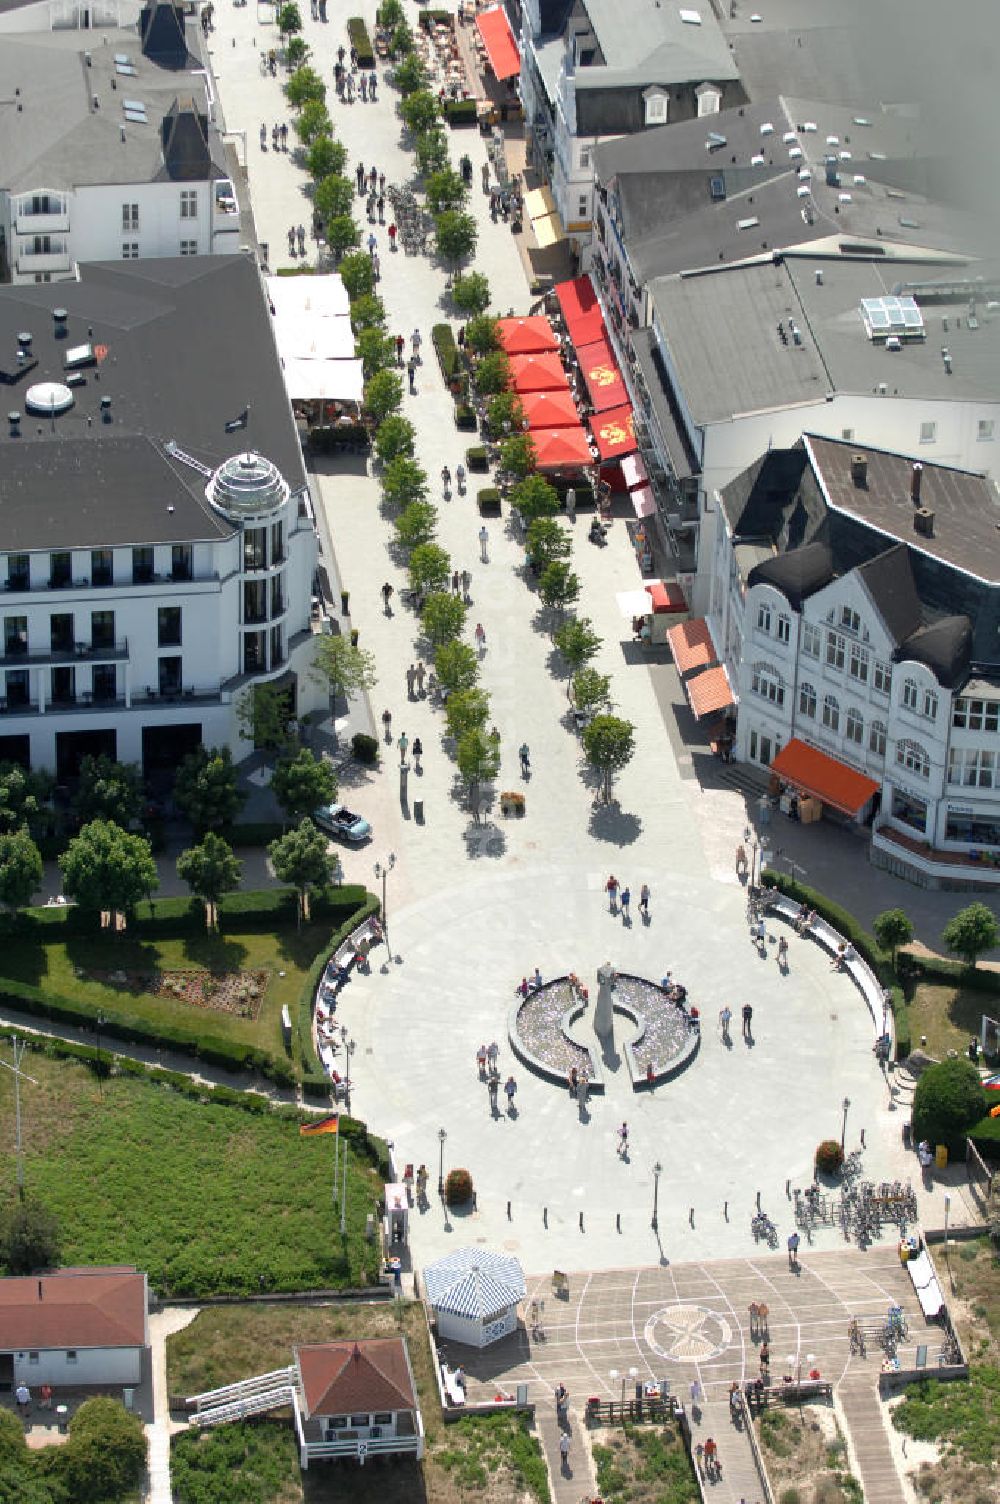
[(111, 149), (158, 544)]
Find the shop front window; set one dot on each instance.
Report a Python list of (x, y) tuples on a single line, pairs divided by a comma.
[(909, 810)]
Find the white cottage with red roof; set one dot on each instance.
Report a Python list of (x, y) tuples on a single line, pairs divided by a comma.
[(357, 1399), (73, 1328)]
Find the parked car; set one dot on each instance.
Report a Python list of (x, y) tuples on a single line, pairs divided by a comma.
[(342, 822)]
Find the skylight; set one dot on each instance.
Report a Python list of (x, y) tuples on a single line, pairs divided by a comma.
[(691, 17), (887, 316)]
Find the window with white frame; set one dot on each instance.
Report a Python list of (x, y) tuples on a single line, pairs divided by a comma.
[(929, 708), (850, 619), (858, 663), (913, 757), (928, 433), (831, 713), (854, 726), (582, 205), (876, 738), (189, 247), (130, 250), (585, 156), (835, 650), (911, 694), (810, 639), (189, 203), (709, 99), (130, 217), (973, 767), (984, 430), (764, 618), (655, 101), (807, 701), (881, 678), (976, 715), (768, 683), (784, 628)]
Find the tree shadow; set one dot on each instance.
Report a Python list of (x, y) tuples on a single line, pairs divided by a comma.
[(340, 463), (557, 665), (616, 826), (486, 839), (215, 953), (107, 952)]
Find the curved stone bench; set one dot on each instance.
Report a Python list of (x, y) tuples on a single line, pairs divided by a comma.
[(858, 970)]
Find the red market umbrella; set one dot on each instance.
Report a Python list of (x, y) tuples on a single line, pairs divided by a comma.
[(614, 432), (526, 336), (580, 310), (600, 371), (549, 409), (562, 448), (537, 373)]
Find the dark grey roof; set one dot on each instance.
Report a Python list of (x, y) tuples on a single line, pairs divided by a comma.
[(186, 343), (798, 573), (945, 647), (161, 28), (889, 581), (646, 41), (757, 501), (682, 457), (187, 155), (820, 51)]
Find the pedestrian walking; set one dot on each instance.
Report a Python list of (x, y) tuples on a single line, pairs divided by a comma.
[(350, 88), (782, 955), (564, 1451), (354, 57), (524, 754), (725, 1018), (372, 243), (492, 1086), (402, 744), (480, 638), (711, 1457), (284, 136), (387, 724), (644, 900), (363, 87), (623, 1141), (699, 1453), (481, 1061), (411, 372), (372, 88), (484, 544), (418, 752), (400, 347), (466, 582), (460, 479), (486, 177), (421, 672), (626, 900), (455, 584), (380, 202), (493, 1052), (510, 1087), (446, 488), (381, 176), (360, 176), (696, 1392), (370, 208), (611, 888), (373, 179), (387, 594), (747, 1016), (562, 1401), (793, 1251), (411, 675), (392, 232), (377, 267), (415, 343)]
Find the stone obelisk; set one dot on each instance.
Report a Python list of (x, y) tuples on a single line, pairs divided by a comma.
[(604, 1015)]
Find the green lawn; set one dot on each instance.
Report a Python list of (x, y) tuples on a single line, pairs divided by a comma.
[(206, 1198), (949, 1016)]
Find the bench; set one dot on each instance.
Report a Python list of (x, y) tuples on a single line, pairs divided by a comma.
[(926, 1286), (824, 934), (452, 1388)]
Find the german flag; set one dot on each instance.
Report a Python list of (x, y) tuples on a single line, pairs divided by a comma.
[(329, 1124)]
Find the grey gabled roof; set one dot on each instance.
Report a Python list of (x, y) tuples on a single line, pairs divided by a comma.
[(757, 501), (797, 574), (889, 581), (645, 41), (161, 27), (945, 647)]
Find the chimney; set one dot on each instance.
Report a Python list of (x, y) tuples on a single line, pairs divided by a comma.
[(923, 522), (39, 1289), (915, 475), (859, 470)]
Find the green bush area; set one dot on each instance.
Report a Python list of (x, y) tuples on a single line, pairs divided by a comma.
[(245, 1463), (460, 111), (102, 1462), (947, 1101), (963, 1414), (361, 41), (477, 1445), (640, 1464), (447, 351)]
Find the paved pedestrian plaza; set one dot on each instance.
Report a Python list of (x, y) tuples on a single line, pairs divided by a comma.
[(474, 906)]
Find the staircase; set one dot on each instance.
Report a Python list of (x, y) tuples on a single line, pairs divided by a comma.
[(739, 1478), (267, 1391), (862, 1412)]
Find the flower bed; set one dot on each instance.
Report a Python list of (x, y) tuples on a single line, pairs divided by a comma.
[(236, 992)]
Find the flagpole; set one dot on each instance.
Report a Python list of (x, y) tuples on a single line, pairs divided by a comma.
[(336, 1163), (343, 1199)]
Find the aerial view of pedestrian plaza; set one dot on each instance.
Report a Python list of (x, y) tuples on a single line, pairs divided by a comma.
[(499, 752)]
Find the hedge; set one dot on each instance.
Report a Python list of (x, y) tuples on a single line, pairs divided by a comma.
[(986, 1134), (447, 351), (361, 42), (465, 418), (949, 973), (429, 18), (460, 112), (307, 1054), (477, 458), (489, 500)]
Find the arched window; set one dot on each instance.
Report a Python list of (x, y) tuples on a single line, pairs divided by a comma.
[(831, 713), (910, 694), (768, 683), (855, 728), (876, 738), (913, 757), (807, 701)]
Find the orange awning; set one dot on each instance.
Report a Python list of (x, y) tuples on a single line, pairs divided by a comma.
[(537, 373), (832, 782), (665, 595), (549, 409), (498, 39), (614, 432), (605, 386), (526, 336), (580, 310), (691, 645), (709, 692), (562, 448)]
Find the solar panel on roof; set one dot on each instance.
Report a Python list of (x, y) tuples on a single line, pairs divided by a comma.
[(122, 57), (717, 187), (137, 117), (125, 69)]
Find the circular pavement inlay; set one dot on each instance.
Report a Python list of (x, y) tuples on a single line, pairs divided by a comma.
[(687, 1333)]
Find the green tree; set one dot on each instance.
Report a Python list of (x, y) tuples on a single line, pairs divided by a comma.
[(972, 931), (492, 373), (456, 666), (355, 271), (892, 929), (300, 857), (467, 710), (105, 1456), (403, 46), (383, 395), (106, 868), (478, 757), (443, 617), (470, 293), (302, 784), (420, 111), (29, 1237), (534, 497), (205, 789), (416, 524), (289, 19), (455, 234), (947, 1100), (431, 150), (396, 438), (313, 122), (411, 75), (345, 669), (334, 197), (342, 235), (296, 52), (20, 868), (264, 715), (390, 13), (377, 351), (304, 85), (326, 158), (504, 412), (430, 567), (109, 790), (559, 587), (403, 482), (609, 745), (210, 869), (547, 541), (368, 312), (24, 797), (517, 456), (589, 689), (445, 190), (577, 642), (482, 334)]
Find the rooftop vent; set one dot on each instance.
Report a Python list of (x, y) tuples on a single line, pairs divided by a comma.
[(24, 339), (48, 399), (14, 419), (923, 522), (859, 470), (246, 486), (915, 477)]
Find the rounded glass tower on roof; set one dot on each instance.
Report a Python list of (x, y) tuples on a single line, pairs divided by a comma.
[(247, 487)]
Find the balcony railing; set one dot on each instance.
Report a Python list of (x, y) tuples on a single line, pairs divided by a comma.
[(89, 652), (18, 707), (188, 695), (52, 260)]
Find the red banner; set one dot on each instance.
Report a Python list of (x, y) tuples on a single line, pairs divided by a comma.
[(614, 432)]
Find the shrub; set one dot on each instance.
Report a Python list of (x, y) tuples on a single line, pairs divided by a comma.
[(396, 438), (458, 1187), (420, 110), (383, 395), (492, 374), (460, 111), (361, 42), (431, 149), (325, 158), (411, 75), (477, 458), (364, 747), (465, 418), (971, 931), (488, 500), (829, 1156), (482, 334), (471, 294), (947, 1101), (446, 350)]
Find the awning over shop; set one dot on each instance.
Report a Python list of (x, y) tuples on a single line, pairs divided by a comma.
[(315, 339), (538, 202), (549, 409), (600, 371), (323, 380), (666, 596), (315, 297), (634, 471), (643, 501), (614, 432), (691, 645), (538, 373), (548, 231), (832, 782), (498, 39), (580, 310), (709, 692), (526, 336), (562, 448)]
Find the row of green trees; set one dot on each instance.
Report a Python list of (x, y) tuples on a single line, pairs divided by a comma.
[(333, 193)]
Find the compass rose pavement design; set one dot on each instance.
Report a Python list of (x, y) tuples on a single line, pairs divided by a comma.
[(687, 1333)]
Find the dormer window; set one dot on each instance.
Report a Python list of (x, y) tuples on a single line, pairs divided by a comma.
[(656, 101), (709, 97)]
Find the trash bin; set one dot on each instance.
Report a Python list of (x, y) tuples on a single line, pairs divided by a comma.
[(941, 1156), (418, 811)]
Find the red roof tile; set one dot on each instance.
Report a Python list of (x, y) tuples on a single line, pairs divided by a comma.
[(74, 1308), (339, 1378)]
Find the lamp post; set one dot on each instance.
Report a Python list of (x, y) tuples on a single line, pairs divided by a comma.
[(441, 1138), (947, 1209), (797, 1360), (614, 1375), (100, 1058), (657, 1172), (382, 870), (350, 1046), (17, 1073), (843, 1126)]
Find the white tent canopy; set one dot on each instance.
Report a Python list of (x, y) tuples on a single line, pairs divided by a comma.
[(314, 297), (323, 380), (475, 1295), (312, 329)]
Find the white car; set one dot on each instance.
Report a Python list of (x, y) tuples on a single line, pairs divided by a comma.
[(338, 820)]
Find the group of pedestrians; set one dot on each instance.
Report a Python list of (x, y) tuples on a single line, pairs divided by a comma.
[(620, 899), (488, 1064), (725, 1019), (415, 677), (461, 584), (352, 82)]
